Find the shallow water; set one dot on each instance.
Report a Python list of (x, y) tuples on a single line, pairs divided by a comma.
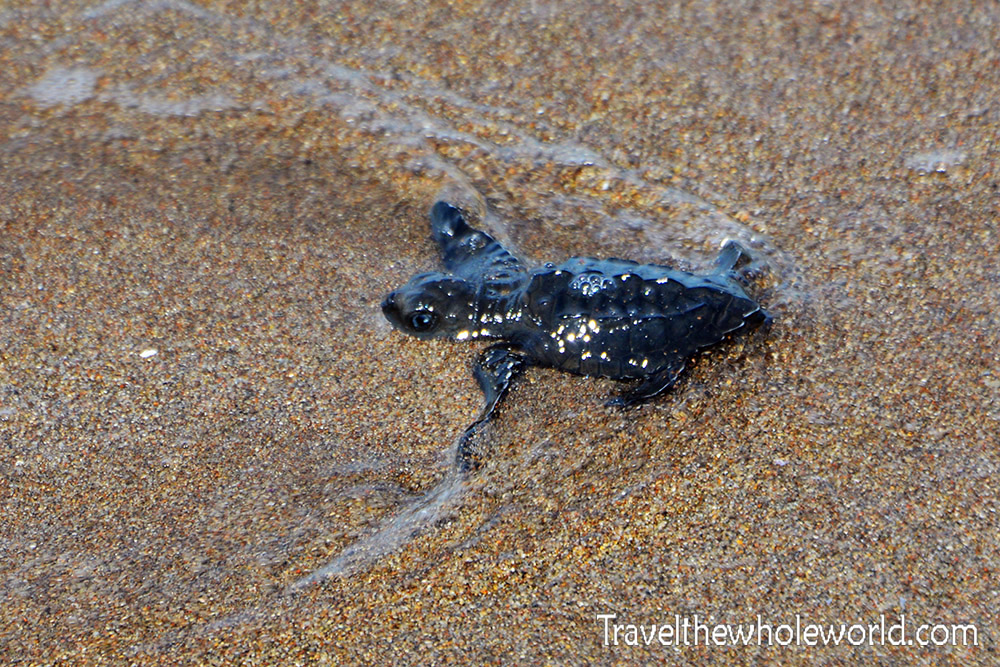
[(510, 156), (513, 155), (237, 189)]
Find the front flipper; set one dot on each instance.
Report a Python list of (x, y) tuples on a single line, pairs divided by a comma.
[(496, 368), (472, 254), (649, 387)]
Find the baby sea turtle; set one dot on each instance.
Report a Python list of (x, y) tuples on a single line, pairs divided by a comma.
[(606, 317)]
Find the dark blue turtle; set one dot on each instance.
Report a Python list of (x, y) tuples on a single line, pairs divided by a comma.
[(605, 317)]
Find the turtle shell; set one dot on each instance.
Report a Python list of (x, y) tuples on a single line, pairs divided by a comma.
[(622, 319)]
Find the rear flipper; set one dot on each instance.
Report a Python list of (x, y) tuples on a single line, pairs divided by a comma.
[(737, 261), (495, 370), (758, 318), (652, 386)]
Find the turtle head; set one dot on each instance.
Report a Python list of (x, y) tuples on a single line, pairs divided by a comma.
[(432, 305)]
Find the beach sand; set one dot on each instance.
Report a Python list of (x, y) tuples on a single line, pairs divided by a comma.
[(214, 449)]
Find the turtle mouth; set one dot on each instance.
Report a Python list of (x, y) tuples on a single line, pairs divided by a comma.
[(391, 310), (389, 303)]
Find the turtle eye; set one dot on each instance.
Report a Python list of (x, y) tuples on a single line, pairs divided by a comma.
[(422, 320)]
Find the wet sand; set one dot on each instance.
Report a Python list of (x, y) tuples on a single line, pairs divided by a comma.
[(214, 450)]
